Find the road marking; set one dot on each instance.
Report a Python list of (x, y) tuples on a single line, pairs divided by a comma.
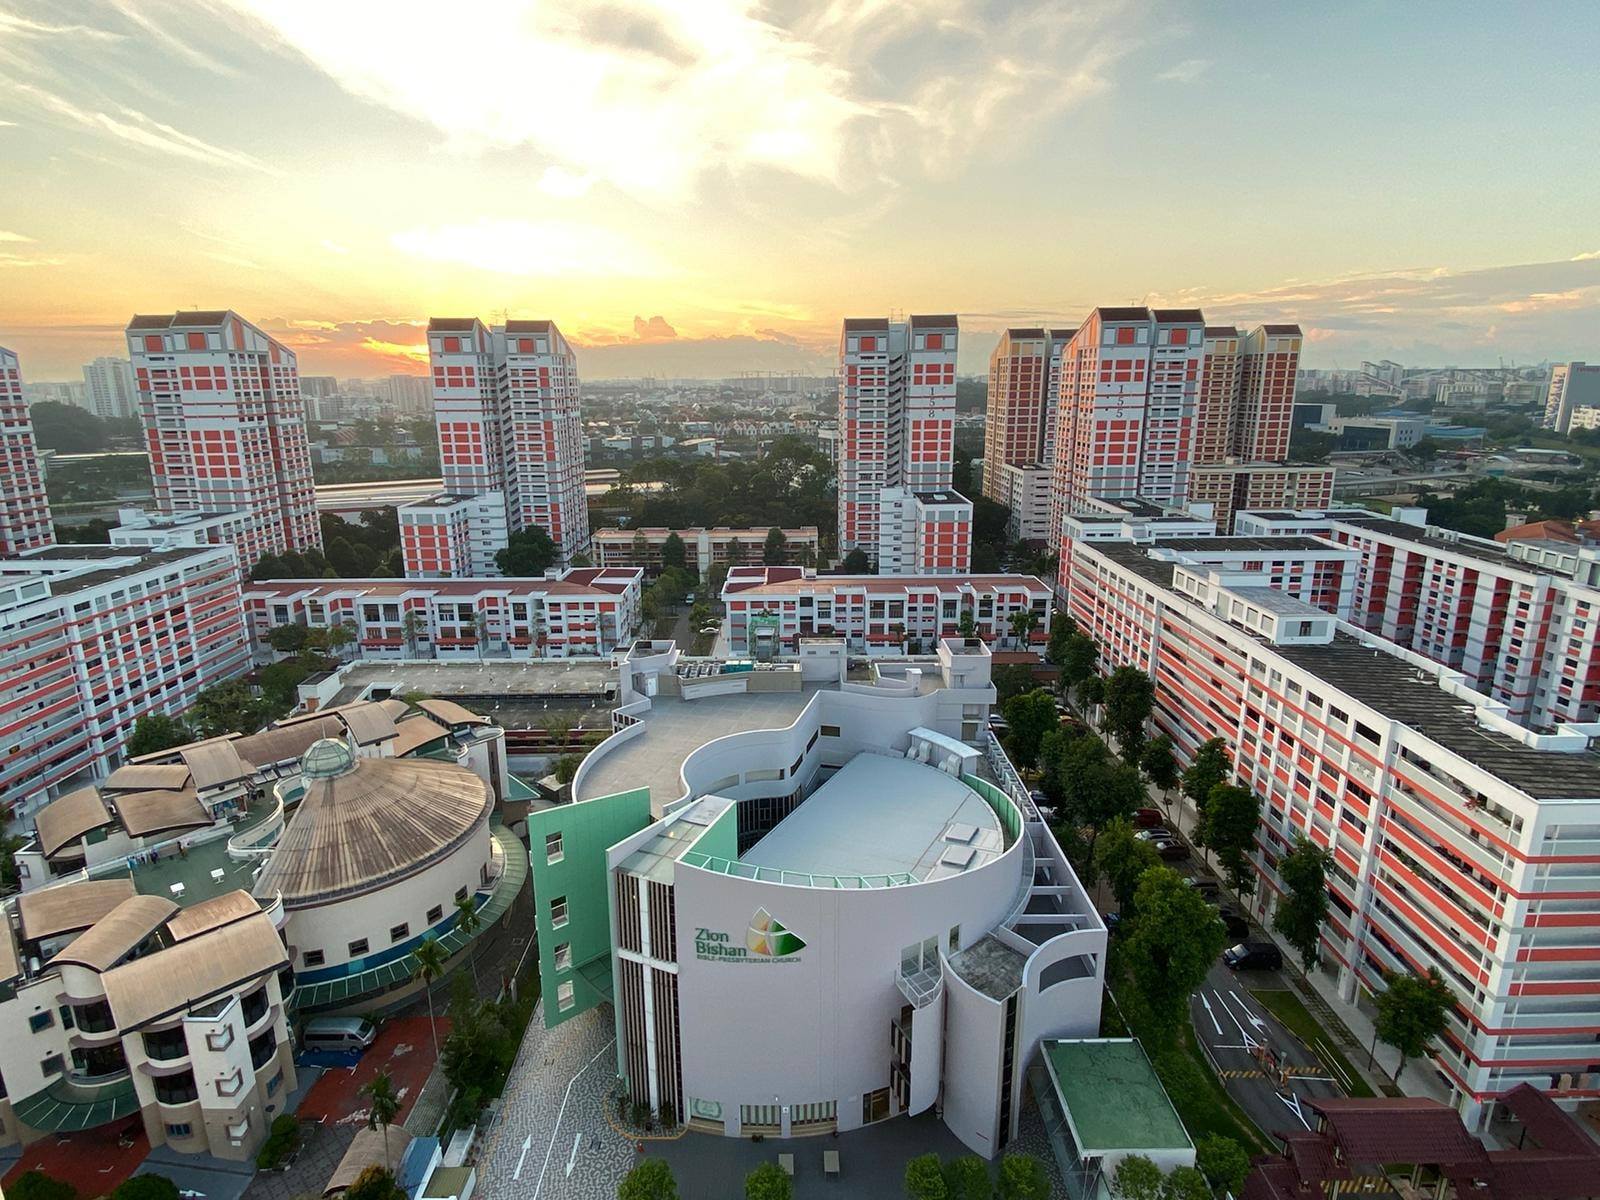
[(573, 1157), (527, 1144), (1292, 1103), (1249, 1042), (1212, 1015), (567, 1095)]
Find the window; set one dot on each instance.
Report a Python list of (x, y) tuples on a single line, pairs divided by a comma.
[(452, 344), (565, 997), (461, 893), (275, 1083), (564, 956), (179, 1129), (197, 341), (399, 933), (552, 848), (435, 914), (51, 1066), (955, 938), (41, 1021), (830, 731), (558, 912), (357, 948), (312, 958)]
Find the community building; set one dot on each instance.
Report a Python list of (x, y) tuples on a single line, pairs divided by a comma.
[(703, 548), (769, 610), (841, 870), (571, 613)]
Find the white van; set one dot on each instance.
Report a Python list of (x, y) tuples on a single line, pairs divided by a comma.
[(338, 1033)]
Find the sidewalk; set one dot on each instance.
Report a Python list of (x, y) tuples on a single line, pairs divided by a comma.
[(1421, 1077)]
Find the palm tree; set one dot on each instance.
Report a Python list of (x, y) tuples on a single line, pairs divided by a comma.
[(430, 958), (468, 921), (385, 1105)]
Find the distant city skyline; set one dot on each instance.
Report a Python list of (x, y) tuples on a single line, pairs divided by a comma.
[(699, 190)]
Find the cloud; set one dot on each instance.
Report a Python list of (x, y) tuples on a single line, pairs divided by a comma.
[(529, 248), (13, 25), (1586, 256), (132, 127), (23, 260), (7, 236), (650, 96), (234, 260), (655, 329), (408, 353), (334, 247), (568, 185), (1186, 71)]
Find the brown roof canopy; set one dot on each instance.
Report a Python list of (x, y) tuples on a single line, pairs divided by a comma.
[(212, 914), (188, 972), (69, 906), (67, 818), (145, 813), (118, 932)]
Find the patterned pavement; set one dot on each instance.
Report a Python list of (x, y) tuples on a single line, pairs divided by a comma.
[(574, 1064)]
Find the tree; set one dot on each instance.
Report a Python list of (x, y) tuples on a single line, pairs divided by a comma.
[(1022, 1177), (1130, 694), (1223, 1162), (1176, 937), (469, 923), (776, 550), (1411, 1013), (1185, 1183), (1160, 765), (856, 563), (567, 767), (36, 1185), (411, 628), (1011, 679), (1228, 829), (1031, 716), (1137, 1178), (768, 1182), (716, 577), (10, 877), (673, 554), (430, 959), (1092, 691), (1079, 656), (1123, 859), (527, 553), (287, 639), (925, 1179), (641, 549), (967, 626), (1209, 767), (385, 1105), (145, 1187), (65, 428), (1023, 622), (967, 1178), (650, 1180), (228, 708), (375, 1183), (156, 731), (1062, 627), (1303, 907)]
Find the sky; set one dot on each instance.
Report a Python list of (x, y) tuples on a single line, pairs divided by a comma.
[(702, 187)]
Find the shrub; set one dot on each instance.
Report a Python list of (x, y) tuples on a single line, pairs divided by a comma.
[(36, 1185), (146, 1187), (282, 1141)]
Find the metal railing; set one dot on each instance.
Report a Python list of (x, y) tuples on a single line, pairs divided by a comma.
[(920, 987)]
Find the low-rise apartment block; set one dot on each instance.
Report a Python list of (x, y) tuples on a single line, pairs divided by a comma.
[(703, 548), (1462, 840), (770, 608), (1025, 491), (448, 536), (924, 533), (577, 612), (94, 637)]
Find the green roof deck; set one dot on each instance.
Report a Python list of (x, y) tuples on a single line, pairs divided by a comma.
[(1112, 1096), (193, 869), (65, 1106), (374, 981)]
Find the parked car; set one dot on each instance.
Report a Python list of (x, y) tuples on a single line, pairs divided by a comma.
[(1146, 818), (1253, 956), (1113, 923), (998, 723), (338, 1033), (1172, 851), (1208, 888), (1234, 922), (1158, 833)]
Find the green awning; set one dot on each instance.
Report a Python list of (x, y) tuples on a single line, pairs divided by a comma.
[(63, 1107)]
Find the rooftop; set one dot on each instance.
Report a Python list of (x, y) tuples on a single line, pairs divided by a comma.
[(674, 729), (1112, 1097), (990, 966), (552, 679), (879, 815)]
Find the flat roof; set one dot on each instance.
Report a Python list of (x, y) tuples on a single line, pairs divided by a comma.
[(879, 815), (1112, 1097), (554, 678), (674, 729), (990, 966)]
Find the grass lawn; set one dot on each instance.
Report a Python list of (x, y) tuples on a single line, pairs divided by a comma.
[(1286, 1006)]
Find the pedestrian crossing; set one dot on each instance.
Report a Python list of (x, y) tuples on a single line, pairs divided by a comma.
[(1242, 1073)]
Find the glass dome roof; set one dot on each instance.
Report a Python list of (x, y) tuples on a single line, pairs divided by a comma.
[(326, 758)]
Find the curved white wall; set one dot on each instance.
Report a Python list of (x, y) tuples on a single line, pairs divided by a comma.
[(332, 927), (814, 1027)]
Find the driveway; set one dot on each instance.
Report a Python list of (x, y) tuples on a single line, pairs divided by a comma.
[(1264, 1067), (404, 1048)]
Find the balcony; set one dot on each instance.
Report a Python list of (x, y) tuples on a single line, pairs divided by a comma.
[(165, 1046), (176, 1089), (920, 987)]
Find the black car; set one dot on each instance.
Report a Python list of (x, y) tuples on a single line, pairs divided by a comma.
[(1171, 851), (1253, 956), (1209, 890), (1233, 921)]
